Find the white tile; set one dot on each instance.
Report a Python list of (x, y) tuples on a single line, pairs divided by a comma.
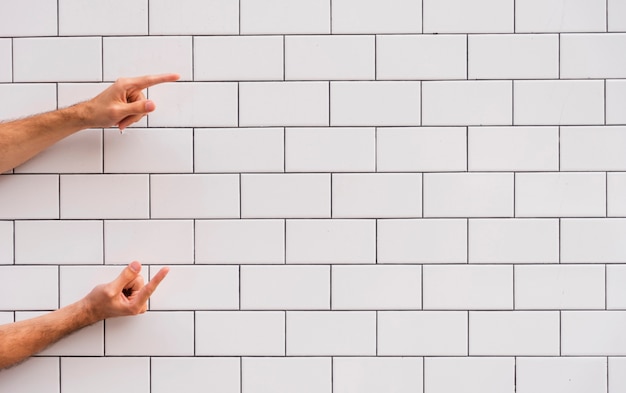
[(97, 373), (421, 57), (595, 333), (560, 16), (13, 280), (422, 333), (6, 242), (377, 195), (21, 100), (286, 375), (461, 16), (284, 17), (616, 194), (131, 56), (374, 375), (375, 103), (513, 148), (186, 105), (151, 334), (78, 17), (560, 194), (514, 241), (238, 58), (6, 60), (330, 149), (524, 56), (607, 245), (617, 374), (485, 375), (514, 333), (239, 150), (329, 57), (331, 241), (609, 60), (148, 150), (58, 242), (240, 241), (559, 287), (237, 333), (195, 375), (77, 281), (616, 11), (285, 196), (331, 333), (377, 287), (593, 148), (88, 341), (78, 153), (615, 101), (72, 93), (454, 103), (423, 149), (558, 102), (468, 287), (194, 196), (20, 379), (197, 288), (29, 196), (422, 241), (45, 59), (150, 241), (28, 18), (104, 196), (468, 195), (543, 375), (376, 16), (6, 317), (285, 287), (194, 17), (615, 290), (283, 103)]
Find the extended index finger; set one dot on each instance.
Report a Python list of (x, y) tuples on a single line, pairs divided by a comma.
[(145, 292), (142, 82)]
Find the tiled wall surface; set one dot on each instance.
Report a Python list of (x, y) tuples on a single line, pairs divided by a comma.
[(374, 196)]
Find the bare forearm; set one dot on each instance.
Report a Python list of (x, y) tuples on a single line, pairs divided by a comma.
[(25, 338)]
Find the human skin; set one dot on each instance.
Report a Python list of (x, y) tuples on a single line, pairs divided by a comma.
[(126, 295), (122, 104)]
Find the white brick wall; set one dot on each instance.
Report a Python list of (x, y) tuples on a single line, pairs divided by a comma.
[(398, 196)]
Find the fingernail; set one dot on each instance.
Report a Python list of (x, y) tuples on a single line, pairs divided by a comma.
[(135, 266)]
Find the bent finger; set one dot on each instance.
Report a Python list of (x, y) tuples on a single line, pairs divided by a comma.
[(128, 275)]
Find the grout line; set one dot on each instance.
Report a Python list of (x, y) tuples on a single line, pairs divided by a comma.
[(376, 332), (467, 241), (331, 16), (376, 57), (559, 58), (284, 58)]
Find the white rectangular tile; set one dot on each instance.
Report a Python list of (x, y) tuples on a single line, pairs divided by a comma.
[(6, 242), (6, 60), (239, 333), (330, 149), (375, 103), (20, 379), (374, 375), (593, 333), (194, 17), (284, 375), (58, 242), (376, 287), (285, 196), (77, 281), (609, 60), (104, 196), (26, 99), (615, 290), (607, 245), (29, 196), (616, 194), (14, 280), (28, 18), (330, 241), (560, 287), (195, 375), (556, 194), (238, 58), (331, 333), (486, 375), (538, 16), (130, 373), (423, 149), (153, 241), (239, 150), (616, 10), (558, 102), (329, 57), (194, 196), (513, 148), (283, 104), (615, 101), (284, 17), (421, 57), (422, 333), (461, 16), (468, 195), (77, 18), (285, 287), (240, 241), (376, 16), (543, 375), (452, 103), (510, 56), (593, 148), (617, 374)]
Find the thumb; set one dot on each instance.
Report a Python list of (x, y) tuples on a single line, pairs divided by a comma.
[(127, 275), (140, 107)]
